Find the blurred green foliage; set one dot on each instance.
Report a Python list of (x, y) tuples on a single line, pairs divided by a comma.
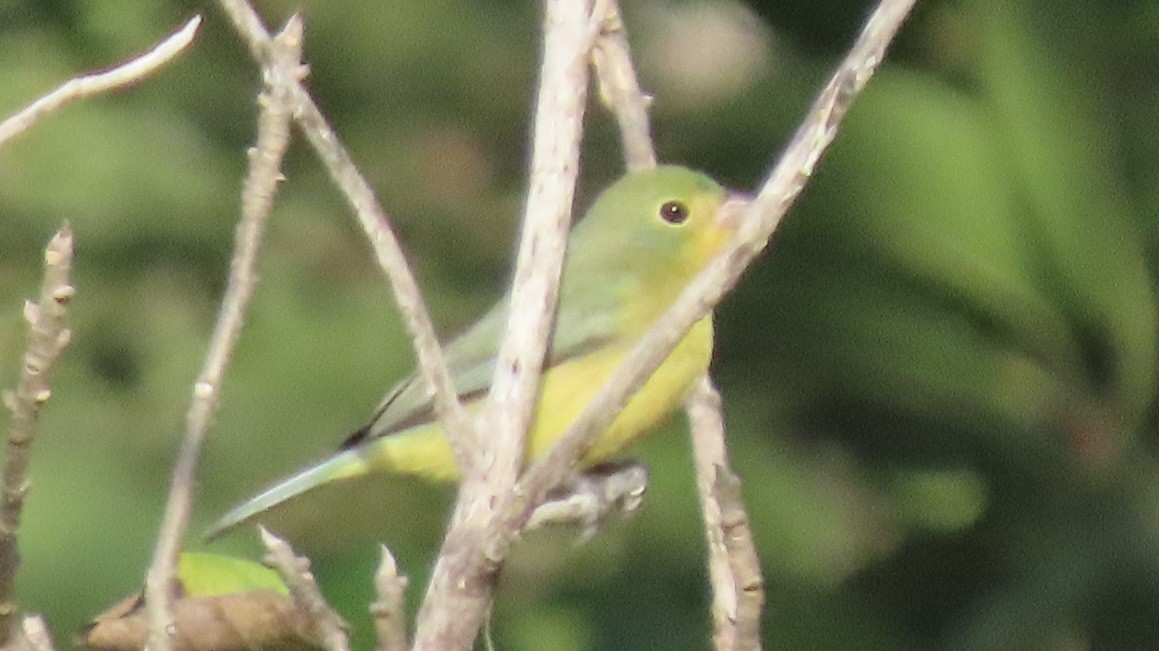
[(939, 384)]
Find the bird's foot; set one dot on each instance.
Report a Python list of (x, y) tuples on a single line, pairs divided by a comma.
[(592, 496)]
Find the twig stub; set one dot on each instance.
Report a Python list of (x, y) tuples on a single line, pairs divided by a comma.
[(389, 609), (327, 628)]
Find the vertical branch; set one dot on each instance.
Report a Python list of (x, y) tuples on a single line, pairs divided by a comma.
[(733, 567), (459, 594), (258, 192), (47, 338), (559, 113), (619, 88)]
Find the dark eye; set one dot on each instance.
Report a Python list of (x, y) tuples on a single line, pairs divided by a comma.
[(674, 212)]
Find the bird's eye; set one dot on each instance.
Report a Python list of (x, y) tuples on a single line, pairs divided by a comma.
[(674, 212)]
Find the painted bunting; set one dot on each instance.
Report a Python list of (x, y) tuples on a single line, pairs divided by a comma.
[(641, 242)]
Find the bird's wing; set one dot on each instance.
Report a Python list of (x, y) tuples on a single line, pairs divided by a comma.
[(582, 327)]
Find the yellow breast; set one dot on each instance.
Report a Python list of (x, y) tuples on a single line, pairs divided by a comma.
[(569, 387)]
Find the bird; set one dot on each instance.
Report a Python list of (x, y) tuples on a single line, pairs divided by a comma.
[(640, 243)]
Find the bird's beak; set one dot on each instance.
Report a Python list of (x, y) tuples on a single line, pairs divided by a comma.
[(730, 213)]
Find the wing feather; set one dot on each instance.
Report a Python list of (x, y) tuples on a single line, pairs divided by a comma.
[(471, 361)]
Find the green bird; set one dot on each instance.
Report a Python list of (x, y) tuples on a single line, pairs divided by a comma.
[(628, 259)]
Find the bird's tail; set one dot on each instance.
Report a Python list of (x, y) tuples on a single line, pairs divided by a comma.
[(344, 465)]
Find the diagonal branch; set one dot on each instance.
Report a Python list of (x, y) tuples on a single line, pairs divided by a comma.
[(257, 199), (619, 88), (101, 82), (475, 548)]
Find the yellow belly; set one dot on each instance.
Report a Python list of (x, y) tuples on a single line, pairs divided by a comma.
[(567, 389)]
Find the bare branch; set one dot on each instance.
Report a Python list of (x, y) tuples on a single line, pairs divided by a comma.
[(733, 567), (257, 199), (459, 594), (619, 88), (48, 336), (325, 626), (375, 223), (389, 611), (101, 82)]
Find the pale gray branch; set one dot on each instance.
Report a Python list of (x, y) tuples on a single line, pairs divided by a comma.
[(559, 113), (620, 90), (48, 336), (101, 82), (273, 138)]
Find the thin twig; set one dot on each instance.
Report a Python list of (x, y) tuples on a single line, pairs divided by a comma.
[(619, 88), (273, 138), (101, 82), (389, 609), (733, 567), (459, 593), (375, 223), (777, 193), (47, 338), (325, 626)]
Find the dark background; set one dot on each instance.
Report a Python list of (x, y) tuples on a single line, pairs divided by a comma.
[(939, 382)]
